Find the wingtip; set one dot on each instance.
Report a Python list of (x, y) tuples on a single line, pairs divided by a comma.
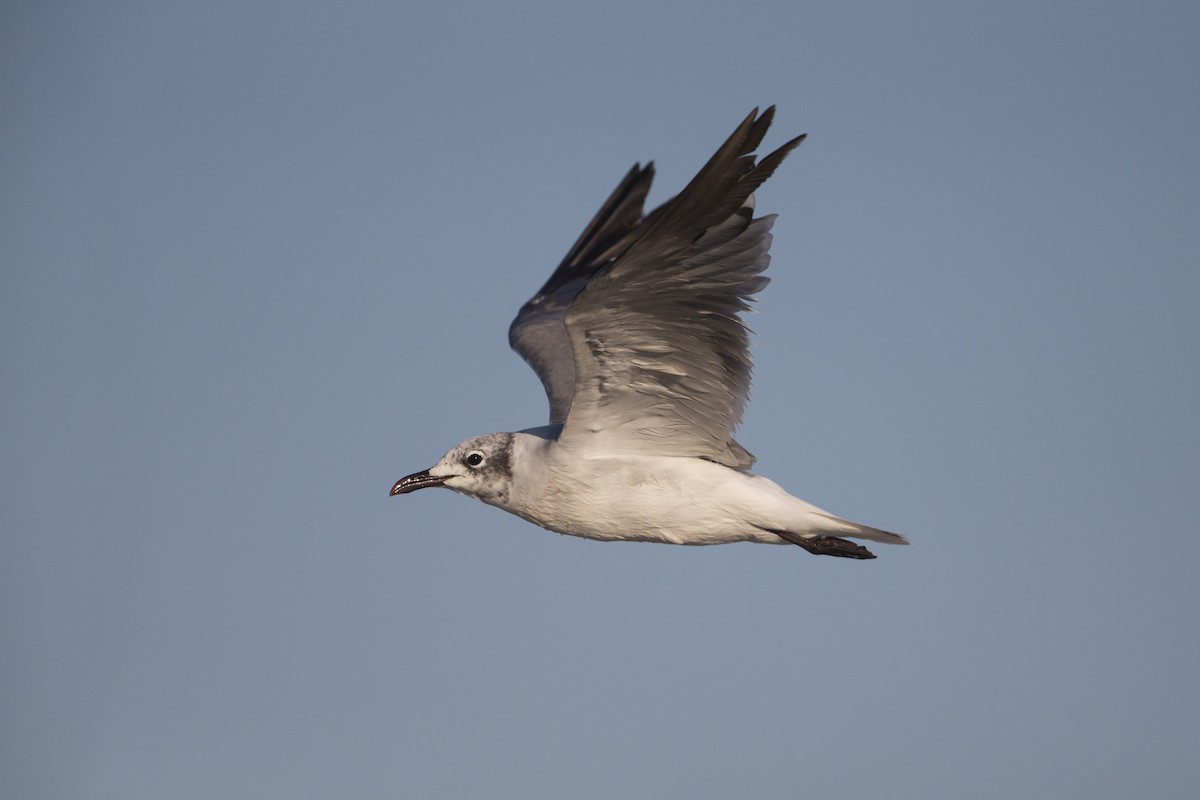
[(765, 116), (764, 120)]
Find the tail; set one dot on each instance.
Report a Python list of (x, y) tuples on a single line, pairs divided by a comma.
[(844, 527), (825, 544)]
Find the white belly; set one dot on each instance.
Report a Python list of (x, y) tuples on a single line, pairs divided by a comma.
[(656, 499)]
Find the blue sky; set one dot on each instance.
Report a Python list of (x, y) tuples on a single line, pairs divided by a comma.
[(258, 263)]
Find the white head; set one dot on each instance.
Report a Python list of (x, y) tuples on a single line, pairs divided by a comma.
[(480, 467)]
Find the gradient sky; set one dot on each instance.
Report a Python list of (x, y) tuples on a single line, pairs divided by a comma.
[(258, 263)]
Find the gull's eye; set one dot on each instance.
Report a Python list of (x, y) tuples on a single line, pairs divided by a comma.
[(475, 459)]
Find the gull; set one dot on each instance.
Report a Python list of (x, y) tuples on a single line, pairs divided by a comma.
[(638, 340)]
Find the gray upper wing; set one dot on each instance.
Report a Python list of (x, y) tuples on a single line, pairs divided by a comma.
[(539, 332), (660, 354)]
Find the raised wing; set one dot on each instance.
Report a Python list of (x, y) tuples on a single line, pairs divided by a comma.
[(539, 333), (660, 353)]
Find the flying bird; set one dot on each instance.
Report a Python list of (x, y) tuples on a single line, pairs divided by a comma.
[(638, 340)]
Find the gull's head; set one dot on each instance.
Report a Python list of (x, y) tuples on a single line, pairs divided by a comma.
[(480, 467)]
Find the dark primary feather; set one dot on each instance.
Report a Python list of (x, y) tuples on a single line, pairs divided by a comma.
[(642, 319)]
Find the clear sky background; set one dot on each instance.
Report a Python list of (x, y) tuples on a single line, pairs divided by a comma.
[(258, 263)]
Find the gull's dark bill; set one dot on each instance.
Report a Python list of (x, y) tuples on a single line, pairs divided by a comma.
[(418, 480)]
